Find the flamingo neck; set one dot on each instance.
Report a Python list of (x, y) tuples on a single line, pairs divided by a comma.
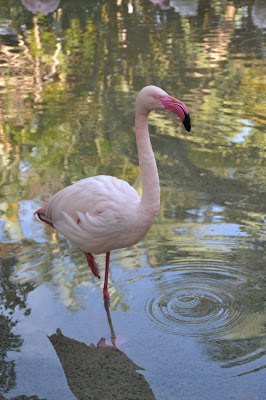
[(150, 199)]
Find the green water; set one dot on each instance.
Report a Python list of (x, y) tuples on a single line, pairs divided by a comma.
[(187, 303)]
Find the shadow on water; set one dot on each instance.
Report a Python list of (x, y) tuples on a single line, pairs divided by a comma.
[(99, 372), (102, 371)]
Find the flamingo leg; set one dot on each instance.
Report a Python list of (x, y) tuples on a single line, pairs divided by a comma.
[(113, 337), (105, 287), (92, 264), (102, 341)]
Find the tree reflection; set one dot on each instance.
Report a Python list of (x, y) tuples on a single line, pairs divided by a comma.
[(52, 48), (72, 77), (237, 353), (73, 87), (9, 342), (11, 296), (68, 85)]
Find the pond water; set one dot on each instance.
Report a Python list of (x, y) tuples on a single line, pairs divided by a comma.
[(187, 303)]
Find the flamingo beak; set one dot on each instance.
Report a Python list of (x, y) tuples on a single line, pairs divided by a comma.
[(186, 122), (178, 108)]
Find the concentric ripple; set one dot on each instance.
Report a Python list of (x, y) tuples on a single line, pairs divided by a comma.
[(198, 300)]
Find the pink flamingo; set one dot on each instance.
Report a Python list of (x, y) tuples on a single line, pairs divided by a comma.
[(103, 213)]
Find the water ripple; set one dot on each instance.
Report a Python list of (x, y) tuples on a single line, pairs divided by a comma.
[(199, 300)]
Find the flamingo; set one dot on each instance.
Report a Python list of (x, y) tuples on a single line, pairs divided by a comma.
[(102, 213)]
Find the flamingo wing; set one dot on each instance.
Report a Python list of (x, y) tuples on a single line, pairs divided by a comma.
[(96, 214)]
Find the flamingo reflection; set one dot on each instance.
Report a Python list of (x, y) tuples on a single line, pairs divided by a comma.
[(102, 371), (43, 6)]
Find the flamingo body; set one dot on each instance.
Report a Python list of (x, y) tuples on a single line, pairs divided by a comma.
[(98, 214), (103, 213)]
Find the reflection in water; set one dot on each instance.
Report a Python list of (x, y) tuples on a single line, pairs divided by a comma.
[(218, 39), (12, 298), (238, 353), (259, 13), (24, 397), (43, 6), (64, 79), (185, 7), (164, 4), (199, 300), (212, 290), (11, 342), (99, 372)]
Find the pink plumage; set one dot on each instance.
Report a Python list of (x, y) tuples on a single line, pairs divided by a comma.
[(103, 213), (96, 214)]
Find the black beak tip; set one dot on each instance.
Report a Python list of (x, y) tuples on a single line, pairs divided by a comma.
[(187, 123)]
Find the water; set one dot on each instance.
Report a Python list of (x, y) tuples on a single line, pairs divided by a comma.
[(187, 303)]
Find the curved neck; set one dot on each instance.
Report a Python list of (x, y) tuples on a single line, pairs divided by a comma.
[(150, 199)]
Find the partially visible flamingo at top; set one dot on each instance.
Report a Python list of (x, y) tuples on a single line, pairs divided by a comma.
[(103, 213)]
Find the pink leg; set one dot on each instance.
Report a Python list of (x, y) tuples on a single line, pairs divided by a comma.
[(101, 342), (105, 287), (92, 264)]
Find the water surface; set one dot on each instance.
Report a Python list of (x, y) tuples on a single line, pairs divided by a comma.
[(187, 303)]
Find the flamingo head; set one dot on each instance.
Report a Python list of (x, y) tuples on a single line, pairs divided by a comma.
[(154, 98), (177, 107)]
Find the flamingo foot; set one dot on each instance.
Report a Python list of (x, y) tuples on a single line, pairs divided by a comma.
[(102, 343), (116, 341)]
